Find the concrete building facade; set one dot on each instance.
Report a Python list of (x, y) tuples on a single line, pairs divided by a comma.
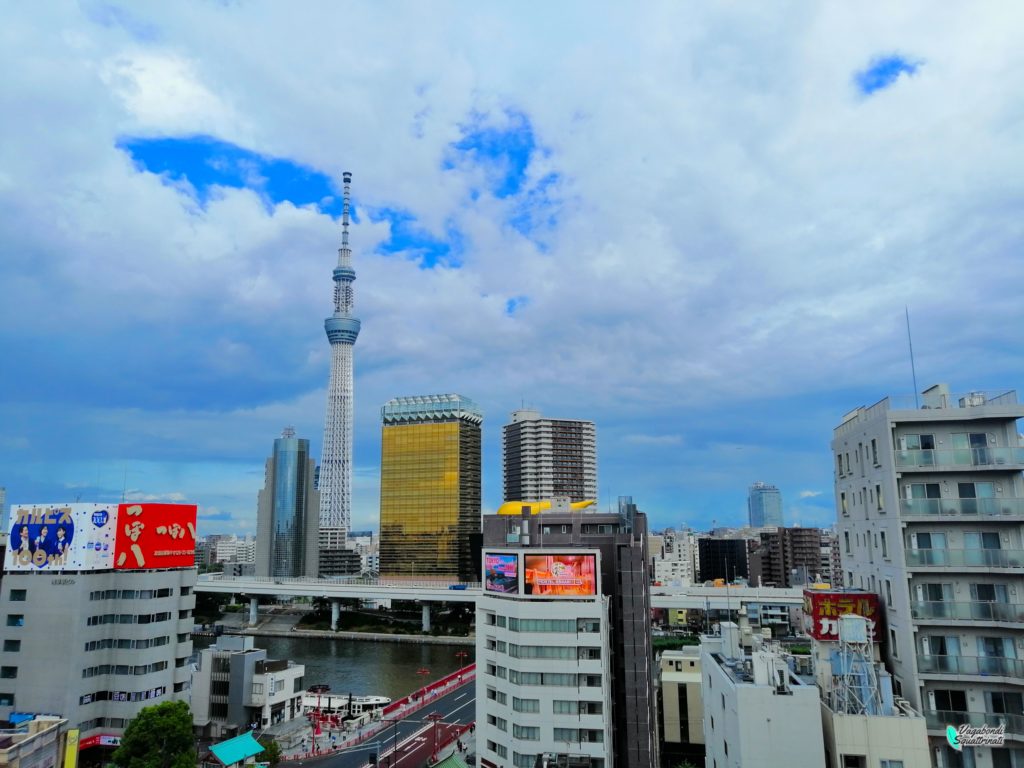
[(757, 712), (287, 515), (786, 557), (930, 507), (546, 458), (621, 540), (95, 647), (235, 687), (681, 705)]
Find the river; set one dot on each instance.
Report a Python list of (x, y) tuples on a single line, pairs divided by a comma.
[(364, 667)]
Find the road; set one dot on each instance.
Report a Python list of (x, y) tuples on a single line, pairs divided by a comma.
[(412, 735)]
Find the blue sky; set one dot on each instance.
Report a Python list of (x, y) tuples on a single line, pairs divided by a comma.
[(698, 227)]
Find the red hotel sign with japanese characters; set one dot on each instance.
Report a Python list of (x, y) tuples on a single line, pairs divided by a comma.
[(823, 607), (155, 536)]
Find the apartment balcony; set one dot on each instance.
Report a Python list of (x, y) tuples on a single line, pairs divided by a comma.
[(931, 460), (938, 719), (959, 510), (944, 612), (970, 666), (968, 559)]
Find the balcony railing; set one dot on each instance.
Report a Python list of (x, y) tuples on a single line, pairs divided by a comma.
[(960, 457), (962, 507), (966, 558), (968, 611), (982, 666), (938, 719)]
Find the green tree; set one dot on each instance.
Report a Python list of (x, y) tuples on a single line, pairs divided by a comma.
[(158, 737), (272, 754)]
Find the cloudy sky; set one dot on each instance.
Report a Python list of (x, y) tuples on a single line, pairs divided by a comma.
[(698, 224)]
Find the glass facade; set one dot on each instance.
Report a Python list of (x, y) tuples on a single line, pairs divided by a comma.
[(765, 506), (430, 489), (290, 507)]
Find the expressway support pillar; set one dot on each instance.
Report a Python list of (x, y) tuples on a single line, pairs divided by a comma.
[(426, 617), (335, 614), (253, 611)]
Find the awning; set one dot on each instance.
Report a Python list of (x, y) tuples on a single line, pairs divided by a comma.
[(237, 749)]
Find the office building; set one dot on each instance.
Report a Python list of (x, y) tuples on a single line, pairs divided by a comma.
[(764, 506), (930, 516), (236, 688), (429, 486), (286, 516), (235, 549), (564, 640), (757, 712), (831, 563), (548, 458), (786, 557), (96, 612), (335, 475), (672, 558), (722, 559), (681, 706)]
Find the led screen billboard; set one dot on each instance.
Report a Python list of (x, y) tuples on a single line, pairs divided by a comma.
[(501, 573), (155, 536), (823, 607), (61, 537), (560, 575)]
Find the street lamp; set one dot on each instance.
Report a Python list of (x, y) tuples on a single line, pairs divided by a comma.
[(435, 718), (462, 656)]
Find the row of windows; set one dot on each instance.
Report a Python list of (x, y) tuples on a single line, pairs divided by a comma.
[(133, 594), (129, 618), (152, 693), (559, 706), (554, 678), (109, 642), (552, 652), (124, 669), (578, 735)]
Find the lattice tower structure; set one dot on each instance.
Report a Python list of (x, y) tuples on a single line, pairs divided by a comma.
[(342, 330)]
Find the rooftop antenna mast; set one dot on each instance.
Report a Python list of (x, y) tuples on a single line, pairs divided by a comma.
[(910, 343)]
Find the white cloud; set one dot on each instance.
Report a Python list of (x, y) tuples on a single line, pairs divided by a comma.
[(809, 494), (736, 226)]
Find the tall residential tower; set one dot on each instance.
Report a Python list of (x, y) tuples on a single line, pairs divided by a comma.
[(336, 460), (545, 458), (930, 507)]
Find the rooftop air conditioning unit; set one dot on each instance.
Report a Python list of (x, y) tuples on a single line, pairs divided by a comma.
[(972, 400)]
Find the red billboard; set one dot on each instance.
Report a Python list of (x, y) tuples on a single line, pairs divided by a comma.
[(155, 536), (823, 607), (565, 575)]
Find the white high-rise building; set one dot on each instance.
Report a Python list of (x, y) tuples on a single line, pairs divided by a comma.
[(545, 458), (342, 330), (930, 506)]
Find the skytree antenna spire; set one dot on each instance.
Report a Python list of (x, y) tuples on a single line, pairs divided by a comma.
[(336, 462)]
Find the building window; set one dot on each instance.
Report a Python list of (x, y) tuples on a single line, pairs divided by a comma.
[(846, 541), (874, 451), (18, 595), (12, 646), (6, 699), (842, 503), (888, 593), (891, 764), (526, 732), (8, 673), (497, 722), (885, 548), (525, 705), (892, 644), (878, 498), (15, 620)]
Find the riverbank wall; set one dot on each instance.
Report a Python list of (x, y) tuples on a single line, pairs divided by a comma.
[(375, 637)]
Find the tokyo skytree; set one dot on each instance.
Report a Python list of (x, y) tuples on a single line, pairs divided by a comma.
[(336, 461)]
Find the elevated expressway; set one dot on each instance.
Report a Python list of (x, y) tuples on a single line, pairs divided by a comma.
[(426, 592)]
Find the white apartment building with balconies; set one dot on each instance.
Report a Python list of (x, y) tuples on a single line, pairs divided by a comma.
[(930, 507)]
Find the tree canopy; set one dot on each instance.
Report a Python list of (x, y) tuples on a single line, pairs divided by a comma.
[(159, 737)]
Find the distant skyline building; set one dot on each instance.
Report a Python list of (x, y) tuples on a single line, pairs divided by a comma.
[(286, 515), (722, 559), (335, 479), (764, 506), (430, 490), (787, 557), (544, 458)]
